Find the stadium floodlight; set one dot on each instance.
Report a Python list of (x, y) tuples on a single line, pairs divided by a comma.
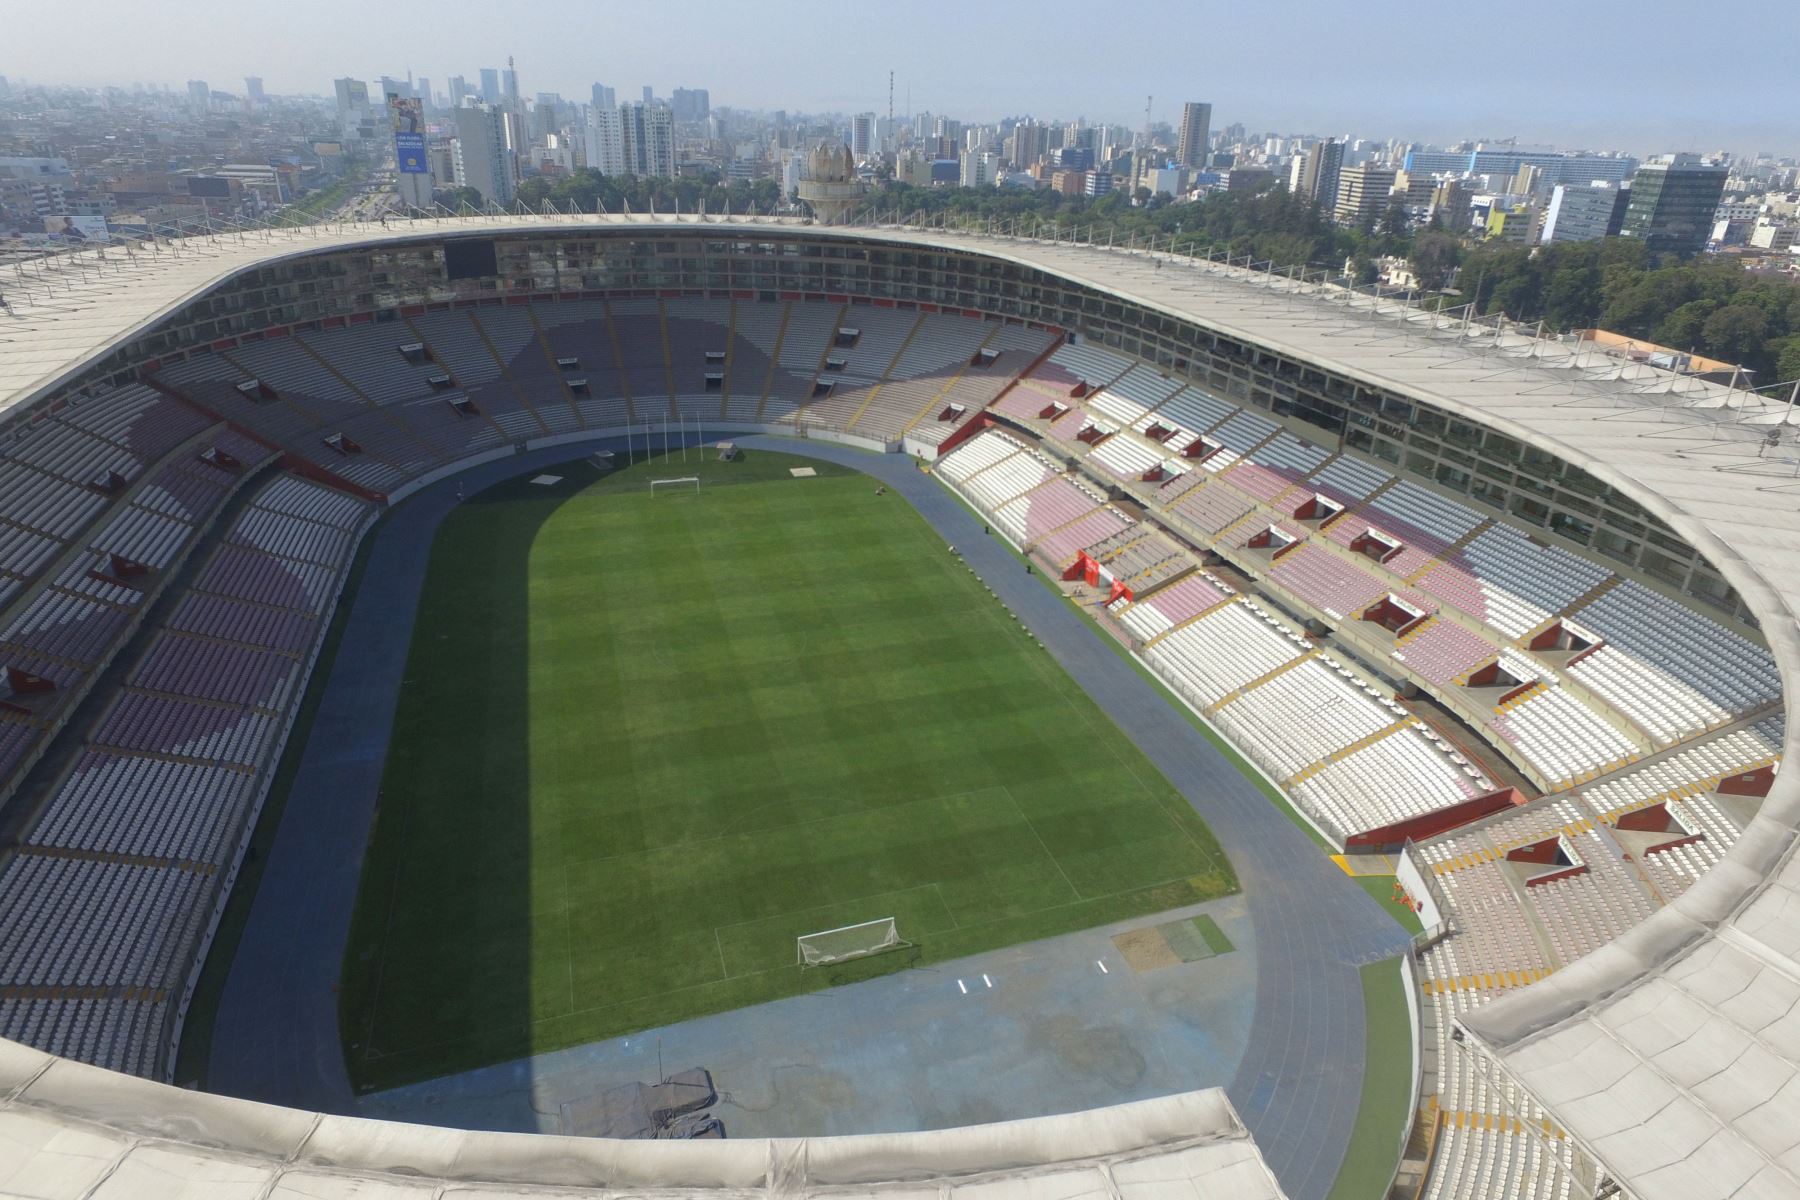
[(846, 942), (681, 485)]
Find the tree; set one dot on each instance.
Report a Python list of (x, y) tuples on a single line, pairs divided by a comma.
[(1572, 301), (1393, 221), (1684, 329), (1736, 333), (1434, 256), (1786, 353), (455, 198)]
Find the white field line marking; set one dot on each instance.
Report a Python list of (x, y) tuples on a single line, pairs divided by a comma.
[(963, 986), (1101, 963), (986, 980)]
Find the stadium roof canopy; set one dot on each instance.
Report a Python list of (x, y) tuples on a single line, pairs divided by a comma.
[(74, 1131), (1672, 1055)]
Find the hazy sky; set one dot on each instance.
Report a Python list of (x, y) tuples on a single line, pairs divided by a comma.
[(1640, 75)]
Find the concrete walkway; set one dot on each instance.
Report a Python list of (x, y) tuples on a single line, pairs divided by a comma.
[(1298, 1082), (1025, 1031)]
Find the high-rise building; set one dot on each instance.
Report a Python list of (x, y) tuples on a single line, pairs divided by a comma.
[(253, 91), (1315, 174), (1029, 142), (862, 135), (459, 91), (1579, 214), (604, 140), (648, 139), (649, 94), (422, 90), (1555, 168), (691, 104), (358, 120), (484, 157), (490, 85), (1362, 195), (1450, 205), (546, 116), (603, 97), (1672, 202), (1196, 130), (199, 97), (979, 169), (509, 89)]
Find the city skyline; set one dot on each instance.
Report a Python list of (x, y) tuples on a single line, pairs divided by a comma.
[(1435, 75)]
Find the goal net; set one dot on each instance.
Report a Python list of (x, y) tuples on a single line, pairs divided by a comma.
[(687, 483), (849, 941)]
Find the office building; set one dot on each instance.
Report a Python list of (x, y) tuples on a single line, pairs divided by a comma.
[(1029, 143), (253, 92), (690, 104), (546, 116), (509, 89), (359, 122), (1363, 195), (1515, 227), (199, 97), (1196, 128), (459, 91), (1579, 214), (603, 97), (1772, 235), (1672, 203), (1450, 205), (1248, 179), (1315, 173), (1504, 164), (862, 136), (490, 85), (979, 168), (1099, 183), (484, 153)]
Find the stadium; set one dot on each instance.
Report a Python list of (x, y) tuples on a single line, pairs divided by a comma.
[(448, 649)]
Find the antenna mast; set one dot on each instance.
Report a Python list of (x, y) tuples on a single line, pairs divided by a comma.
[(1143, 150)]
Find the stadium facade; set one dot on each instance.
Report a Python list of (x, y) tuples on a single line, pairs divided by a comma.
[(1661, 1062)]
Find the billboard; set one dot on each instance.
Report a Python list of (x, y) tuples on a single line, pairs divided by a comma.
[(407, 117), (409, 153), (76, 230)]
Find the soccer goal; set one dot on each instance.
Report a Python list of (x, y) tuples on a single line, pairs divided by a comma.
[(685, 484), (849, 941)]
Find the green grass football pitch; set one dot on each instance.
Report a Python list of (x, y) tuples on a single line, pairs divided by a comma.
[(646, 741)]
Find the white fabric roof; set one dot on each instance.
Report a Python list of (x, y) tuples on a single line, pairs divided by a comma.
[(70, 1131)]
